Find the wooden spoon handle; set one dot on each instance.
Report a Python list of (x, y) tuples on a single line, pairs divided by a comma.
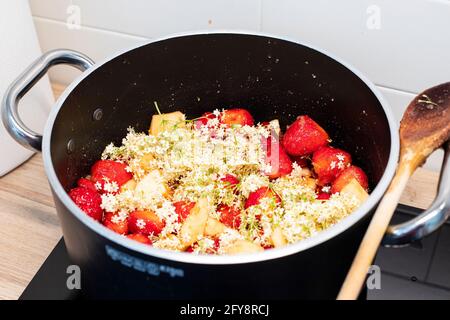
[(374, 234)]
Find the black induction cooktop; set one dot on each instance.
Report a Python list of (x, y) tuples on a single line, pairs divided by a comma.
[(49, 283)]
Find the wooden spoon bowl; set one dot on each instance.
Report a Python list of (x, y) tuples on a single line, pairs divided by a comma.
[(425, 124)]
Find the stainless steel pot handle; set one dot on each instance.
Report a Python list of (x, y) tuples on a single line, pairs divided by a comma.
[(431, 219), (10, 116)]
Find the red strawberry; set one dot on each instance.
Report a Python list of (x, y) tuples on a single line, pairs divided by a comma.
[(183, 209), (203, 120), (352, 172), (230, 180), (323, 196), (139, 237), (86, 183), (110, 170), (120, 227), (304, 136), (328, 162), (229, 216), (145, 222), (236, 116), (87, 200), (255, 197), (280, 162)]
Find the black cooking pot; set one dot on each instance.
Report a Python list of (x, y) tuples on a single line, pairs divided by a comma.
[(273, 78)]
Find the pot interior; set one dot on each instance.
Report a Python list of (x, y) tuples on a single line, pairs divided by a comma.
[(272, 78)]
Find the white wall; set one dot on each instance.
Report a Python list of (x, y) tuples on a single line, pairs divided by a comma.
[(402, 45)]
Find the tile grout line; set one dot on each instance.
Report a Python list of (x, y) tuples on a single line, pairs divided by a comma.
[(397, 90), (92, 28), (261, 5), (402, 277), (433, 254)]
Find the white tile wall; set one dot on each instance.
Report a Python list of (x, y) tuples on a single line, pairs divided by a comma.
[(95, 43), (408, 52), (156, 17)]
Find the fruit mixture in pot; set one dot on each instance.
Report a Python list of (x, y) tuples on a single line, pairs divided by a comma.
[(221, 184)]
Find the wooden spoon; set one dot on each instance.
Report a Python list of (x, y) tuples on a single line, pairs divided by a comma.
[(424, 128)]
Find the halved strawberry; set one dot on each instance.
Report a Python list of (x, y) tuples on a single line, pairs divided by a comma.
[(277, 158), (87, 200), (304, 136), (110, 170), (120, 226), (183, 209), (236, 116), (139, 237), (255, 197), (86, 183), (229, 216), (145, 222), (352, 172), (328, 162), (230, 180)]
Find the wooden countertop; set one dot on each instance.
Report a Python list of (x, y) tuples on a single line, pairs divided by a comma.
[(30, 228)]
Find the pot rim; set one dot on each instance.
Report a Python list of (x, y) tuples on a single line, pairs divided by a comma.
[(184, 257)]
